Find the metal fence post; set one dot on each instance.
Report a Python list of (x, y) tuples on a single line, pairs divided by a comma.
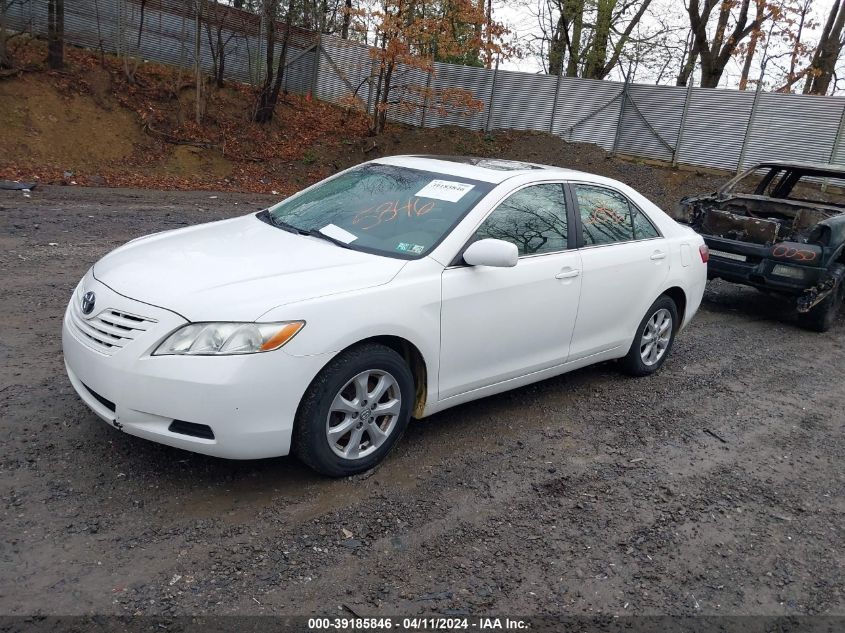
[(425, 96), (318, 51), (679, 142), (621, 115), (119, 43), (837, 141), (554, 103), (492, 97), (750, 127), (840, 131)]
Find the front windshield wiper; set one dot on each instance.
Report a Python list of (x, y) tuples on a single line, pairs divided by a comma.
[(269, 218), (328, 238), (266, 216)]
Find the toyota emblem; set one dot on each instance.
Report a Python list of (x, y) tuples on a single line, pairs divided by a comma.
[(88, 300)]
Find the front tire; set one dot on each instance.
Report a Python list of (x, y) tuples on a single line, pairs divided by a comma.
[(654, 339), (354, 411)]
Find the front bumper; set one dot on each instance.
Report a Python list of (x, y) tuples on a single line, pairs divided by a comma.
[(755, 266), (249, 401)]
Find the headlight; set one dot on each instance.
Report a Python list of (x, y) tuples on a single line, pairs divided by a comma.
[(219, 339)]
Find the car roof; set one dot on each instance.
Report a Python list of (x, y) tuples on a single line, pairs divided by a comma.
[(492, 170), (826, 168)]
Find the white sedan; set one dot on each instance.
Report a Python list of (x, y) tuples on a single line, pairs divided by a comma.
[(392, 290)]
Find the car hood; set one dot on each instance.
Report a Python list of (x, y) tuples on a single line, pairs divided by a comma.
[(237, 269)]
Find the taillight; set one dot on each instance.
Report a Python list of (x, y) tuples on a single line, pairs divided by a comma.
[(704, 252)]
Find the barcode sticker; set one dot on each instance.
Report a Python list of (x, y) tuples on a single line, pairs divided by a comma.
[(447, 190)]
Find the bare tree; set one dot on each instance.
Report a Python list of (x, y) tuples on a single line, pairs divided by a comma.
[(590, 37), (198, 60), (5, 62), (270, 9), (565, 36), (56, 34), (750, 50), (272, 87), (688, 61), (827, 53), (798, 49), (347, 20), (217, 43), (714, 54), (4, 57)]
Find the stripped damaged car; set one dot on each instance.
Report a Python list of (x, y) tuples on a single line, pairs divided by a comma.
[(779, 227)]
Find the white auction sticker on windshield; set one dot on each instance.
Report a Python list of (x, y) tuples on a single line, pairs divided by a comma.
[(342, 235), (447, 190)]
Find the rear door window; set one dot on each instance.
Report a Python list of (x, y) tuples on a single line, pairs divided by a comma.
[(608, 217), (605, 215)]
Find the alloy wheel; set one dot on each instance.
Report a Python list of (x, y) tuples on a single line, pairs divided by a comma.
[(363, 414), (656, 337)]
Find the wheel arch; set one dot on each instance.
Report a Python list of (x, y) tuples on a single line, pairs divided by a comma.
[(677, 294), (416, 362), (413, 357)]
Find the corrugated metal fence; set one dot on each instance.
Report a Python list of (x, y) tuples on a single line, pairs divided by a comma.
[(715, 128)]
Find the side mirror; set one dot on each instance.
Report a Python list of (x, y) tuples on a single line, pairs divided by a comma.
[(491, 252)]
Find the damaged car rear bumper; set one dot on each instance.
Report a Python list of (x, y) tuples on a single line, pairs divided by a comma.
[(783, 267)]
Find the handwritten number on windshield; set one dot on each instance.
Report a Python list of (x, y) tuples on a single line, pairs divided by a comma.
[(390, 211)]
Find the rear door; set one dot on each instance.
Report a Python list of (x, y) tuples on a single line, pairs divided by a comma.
[(625, 262)]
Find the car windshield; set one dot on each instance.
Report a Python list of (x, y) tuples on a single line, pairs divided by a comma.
[(382, 209)]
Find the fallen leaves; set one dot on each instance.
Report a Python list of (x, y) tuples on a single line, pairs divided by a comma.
[(232, 153)]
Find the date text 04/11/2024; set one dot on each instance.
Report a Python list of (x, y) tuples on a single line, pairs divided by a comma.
[(418, 624)]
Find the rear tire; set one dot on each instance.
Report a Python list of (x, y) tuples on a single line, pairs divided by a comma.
[(354, 411), (653, 340), (822, 316)]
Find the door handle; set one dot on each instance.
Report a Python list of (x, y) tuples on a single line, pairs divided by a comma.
[(568, 274), (658, 255)]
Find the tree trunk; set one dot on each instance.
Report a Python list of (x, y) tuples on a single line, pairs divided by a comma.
[(756, 34), (382, 111), (557, 46), (262, 115), (4, 59), (198, 62), (576, 12), (347, 20), (597, 53), (715, 55), (272, 93), (221, 55), (280, 68), (827, 53), (55, 34), (690, 58), (379, 83)]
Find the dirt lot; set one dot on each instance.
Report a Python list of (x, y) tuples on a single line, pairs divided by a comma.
[(715, 487)]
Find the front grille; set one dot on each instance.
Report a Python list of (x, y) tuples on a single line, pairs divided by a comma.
[(109, 330), (191, 428)]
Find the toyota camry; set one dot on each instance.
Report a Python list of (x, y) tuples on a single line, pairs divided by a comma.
[(392, 290)]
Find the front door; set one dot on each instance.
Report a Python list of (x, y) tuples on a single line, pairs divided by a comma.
[(502, 323)]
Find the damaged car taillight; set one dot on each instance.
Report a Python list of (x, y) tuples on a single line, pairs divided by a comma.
[(704, 252)]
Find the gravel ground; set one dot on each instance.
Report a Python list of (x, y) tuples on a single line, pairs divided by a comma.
[(714, 487)]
